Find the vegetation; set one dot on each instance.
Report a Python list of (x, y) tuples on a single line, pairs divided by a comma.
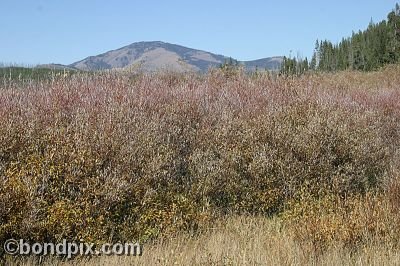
[(238, 241), (21, 74), (366, 50), (105, 157)]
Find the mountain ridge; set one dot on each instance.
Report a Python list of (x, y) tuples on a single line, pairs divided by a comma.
[(152, 56)]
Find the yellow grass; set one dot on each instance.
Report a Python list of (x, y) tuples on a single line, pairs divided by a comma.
[(238, 241)]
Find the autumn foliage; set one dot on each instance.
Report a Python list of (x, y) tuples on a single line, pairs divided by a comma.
[(114, 157)]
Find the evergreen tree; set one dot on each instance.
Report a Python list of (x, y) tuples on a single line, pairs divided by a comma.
[(394, 34), (365, 50)]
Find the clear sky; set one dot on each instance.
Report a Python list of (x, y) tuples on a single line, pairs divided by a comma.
[(64, 31)]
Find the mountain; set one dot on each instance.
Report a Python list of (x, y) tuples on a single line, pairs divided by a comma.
[(56, 67), (270, 63), (153, 56)]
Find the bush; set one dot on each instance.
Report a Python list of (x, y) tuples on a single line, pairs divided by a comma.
[(104, 157)]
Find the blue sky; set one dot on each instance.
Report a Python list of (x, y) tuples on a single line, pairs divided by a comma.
[(64, 31)]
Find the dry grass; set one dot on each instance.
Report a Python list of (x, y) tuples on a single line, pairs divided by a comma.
[(240, 241), (109, 157)]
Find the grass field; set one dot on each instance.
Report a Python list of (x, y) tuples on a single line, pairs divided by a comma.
[(222, 169), (27, 74)]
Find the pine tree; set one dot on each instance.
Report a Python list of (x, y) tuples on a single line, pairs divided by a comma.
[(394, 34), (365, 50)]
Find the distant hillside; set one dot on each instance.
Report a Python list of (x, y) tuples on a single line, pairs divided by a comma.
[(153, 56), (270, 63), (56, 67)]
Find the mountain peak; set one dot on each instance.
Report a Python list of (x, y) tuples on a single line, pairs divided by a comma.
[(157, 55)]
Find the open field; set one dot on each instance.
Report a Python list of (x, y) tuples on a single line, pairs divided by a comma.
[(222, 169)]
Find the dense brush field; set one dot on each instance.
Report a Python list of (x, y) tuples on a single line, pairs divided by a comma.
[(113, 157)]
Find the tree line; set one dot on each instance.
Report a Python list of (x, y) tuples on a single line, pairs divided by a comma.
[(366, 50)]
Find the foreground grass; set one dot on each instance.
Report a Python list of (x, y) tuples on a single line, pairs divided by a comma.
[(240, 241)]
